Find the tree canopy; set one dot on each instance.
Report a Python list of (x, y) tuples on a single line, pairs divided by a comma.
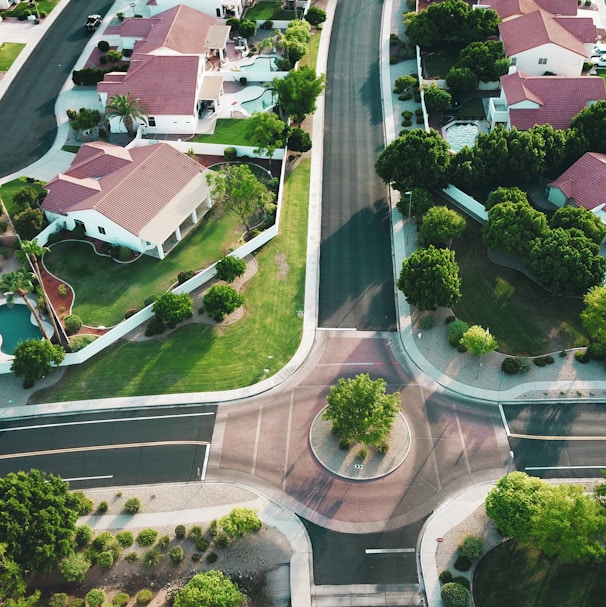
[(593, 316), (267, 131), (298, 92), (461, 80), (430, 278), (360, 410), (209, 589), (221, 300), (128, 109), (502, 194), (441, 224), (486, 60), (437, 100), (34, 359), (172, 308), (573, 217), (479, 340), (416, 159)]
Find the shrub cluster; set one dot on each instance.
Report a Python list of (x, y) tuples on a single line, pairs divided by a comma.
[(144, 597), (180, 531), (90, 76), (541, 361), (132, 505), (456, 330), (471, 546), (147, 537), (454, 595), (519, 364)]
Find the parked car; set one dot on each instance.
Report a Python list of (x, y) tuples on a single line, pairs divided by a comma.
[(599, 61), (598, 50), (92, 22)]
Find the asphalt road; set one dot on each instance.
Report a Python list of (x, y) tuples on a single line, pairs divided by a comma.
[(114, 448), (559, 440), (27, 110), (356, 277)]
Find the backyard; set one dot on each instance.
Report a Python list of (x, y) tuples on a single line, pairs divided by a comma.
[(228, 131), (10, 188), (200, 357), (516, 576), (268, 10)]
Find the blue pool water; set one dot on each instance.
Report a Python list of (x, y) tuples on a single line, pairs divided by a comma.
[(15, 326), (260, 104), (462, 134), (261, 64)]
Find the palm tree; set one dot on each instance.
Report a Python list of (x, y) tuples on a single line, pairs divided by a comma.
[(128, 109), (31, 251), (20, 282)]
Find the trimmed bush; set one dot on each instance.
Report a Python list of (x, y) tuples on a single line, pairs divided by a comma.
[(454, 595), (211, 558), (125, 538), (101, 542), (76, 603), (463, 563), (103, 46), (120, 600), (362, 454), (456, 330), (230, 153), (428, 321), (163, 542), (147, 537), (185, 276), (196, 556), (59, 599), (445, 577), (73, 324), (471, 546), (267, 25), (195, 533), (176, 555), (151, 558), (132, 505), (582, 357), (102, 507), (84, 534), (509, 366), (85, 504), (105, 559), (229, 268), (95, 597), (462, 581), (180, 531), (131, 557), (222, 540), (202, 544), (144, 597)]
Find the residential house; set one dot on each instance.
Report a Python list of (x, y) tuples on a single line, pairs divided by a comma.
[(510, 9), (222, 9), (529, 100), (144, 198), (540, 43), (168, 69), (582, 184)]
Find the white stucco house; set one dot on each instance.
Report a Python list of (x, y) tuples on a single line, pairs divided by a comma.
[(582, 185), (145, 198), (540, 43), (526, 101), (222, 9), (167, 71)]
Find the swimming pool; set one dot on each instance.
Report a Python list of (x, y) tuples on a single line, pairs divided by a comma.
[(461, 134), (261, 64), (15, 326), (263, 103)]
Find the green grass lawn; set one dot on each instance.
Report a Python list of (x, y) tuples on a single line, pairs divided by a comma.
[(523, 317), (268, 10), (10, 188), (438, 61), (105, 289), (200, 358), (311, 58), (512, 576), (44, 6), (230, 131), (9, 51)]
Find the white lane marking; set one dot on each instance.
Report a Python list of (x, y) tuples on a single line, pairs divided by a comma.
[(206, 454), (258, 434), (336, 329), (88, 478), (344, 364), (103, 421), (287, 448), (502, 412), (388, 550), (603, 467), (558, 438)]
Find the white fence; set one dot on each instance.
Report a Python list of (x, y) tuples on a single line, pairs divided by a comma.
[(466, 203)]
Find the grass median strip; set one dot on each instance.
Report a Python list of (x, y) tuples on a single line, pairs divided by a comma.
[(9, 51)]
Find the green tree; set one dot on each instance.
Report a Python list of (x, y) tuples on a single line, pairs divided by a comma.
[(513, 503), (454, 595), (437, 100), (360, 410), (420, 202), (298, 92), (416, 159), (403, 83), (172, 308), (128, 109), (229, 268), (37, 519), (580, 219), (34, 359), (430, 278), (268, 132), (85, 118), (420, 30), (74, 567), (29, 223), (220, 301), (299, 140), (95, 597), (502, 194), (479, 340), (239, 522), (315, 16), (235, 188), (587, 132), (12, 579), (485, 59), (593, 316), (441, 224), (247, 28), (461, 80), (26, 197), (209, 589), (566, 262)]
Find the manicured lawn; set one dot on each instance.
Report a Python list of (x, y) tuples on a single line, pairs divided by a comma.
[(230, 131), (438, 61), (268, 9), (512, 576), (200, 358), (44, 6), (72, 149), (311, 58), (9, 51), (105, 289), (523, 317), (9, 189)]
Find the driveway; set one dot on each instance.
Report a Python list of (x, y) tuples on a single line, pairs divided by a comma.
[(27, 109)]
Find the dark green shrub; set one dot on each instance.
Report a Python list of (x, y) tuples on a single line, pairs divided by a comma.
[(125, 538), (144, 597), (84, 534), (428, 321), (131, 557), (101, 542), (243, 80), (581, 356), (462, 581), (185, 276), (163, 542), (202, 544), (462, 348), (85, 504), (596, 351), (383, 448), (211, 558), (362, 454), (445, 576), (234, 22), (315, 16), (284, 65), (510, 366), (147, 537), (247, 28), (471, 546), (222, 540), (456, 330), (125, 254), (230, 153), (103, 46), (229, 268), (344, 444), (120, 600), (59, 599), (196, 556), (103, 59), (132, 505), (155, 326), (549, 359), (76, 603), (407, 114), (523, 363), (180, 532), (267, 25), (463, 563), (102, 507), (195, 533), (176, 555), (150, 300), (454, 595), (151, 558), (105, 559), (95, 597), (73, 324)]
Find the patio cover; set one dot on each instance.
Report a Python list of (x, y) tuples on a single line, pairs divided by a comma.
[(217, 36), (212, 87)]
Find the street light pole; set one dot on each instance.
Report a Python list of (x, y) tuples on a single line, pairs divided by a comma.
[(486, 334), (409, 194)]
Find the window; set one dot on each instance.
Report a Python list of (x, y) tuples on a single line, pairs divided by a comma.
[(543, 61), (151, 121), (101, 230), (513, 61)]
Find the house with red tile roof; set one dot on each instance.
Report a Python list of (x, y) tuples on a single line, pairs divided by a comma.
[(529, 100), (144, 198), (582, 184), (167, 70), (510, 9), (538, 43)]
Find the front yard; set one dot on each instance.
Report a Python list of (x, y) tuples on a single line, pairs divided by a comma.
[(9, 51)]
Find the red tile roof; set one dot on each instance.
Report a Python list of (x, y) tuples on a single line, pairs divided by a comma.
[(559, 99), (581, 28), (537, 29), (584, 181), (133, 194), (509, 8)]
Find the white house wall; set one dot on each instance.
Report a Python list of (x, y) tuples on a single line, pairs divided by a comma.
[(560, 61), (210, 7), (556, 196)]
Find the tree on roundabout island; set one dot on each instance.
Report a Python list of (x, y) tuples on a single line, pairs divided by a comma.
[(361, 411)]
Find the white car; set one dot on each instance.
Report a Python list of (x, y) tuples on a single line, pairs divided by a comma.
[(599, 61), (598, 50)]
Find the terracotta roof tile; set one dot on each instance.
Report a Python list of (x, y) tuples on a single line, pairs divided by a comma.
[(509, 8), (584, 181), (582, 29)]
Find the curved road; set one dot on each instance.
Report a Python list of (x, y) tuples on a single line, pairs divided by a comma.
[(27, 110), (356, 276)]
